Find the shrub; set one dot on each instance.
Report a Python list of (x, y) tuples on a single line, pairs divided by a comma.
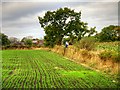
[(28, 43), (87, 43), (106, 55), (115, 57), (84, 52)]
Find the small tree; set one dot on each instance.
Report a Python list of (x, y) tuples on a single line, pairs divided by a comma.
[(28, 42), (4, 41)]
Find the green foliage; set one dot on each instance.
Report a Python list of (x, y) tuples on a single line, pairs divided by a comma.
[(4, 41), (45, 69), (87, 43), (116, 57), (109, 33), (105, 55), (111, 50), (63, 22), (110, 46), (28, 42), (48, 42)]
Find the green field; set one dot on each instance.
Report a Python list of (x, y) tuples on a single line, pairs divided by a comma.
[(109, 46), (45, 69)]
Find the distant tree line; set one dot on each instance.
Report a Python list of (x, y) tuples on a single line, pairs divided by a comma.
[(14, 42), (109, 33)]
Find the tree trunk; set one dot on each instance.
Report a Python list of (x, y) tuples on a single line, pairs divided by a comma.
[(59, 41)]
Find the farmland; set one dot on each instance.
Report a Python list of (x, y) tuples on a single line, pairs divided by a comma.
[(45, 69), (110, 46)]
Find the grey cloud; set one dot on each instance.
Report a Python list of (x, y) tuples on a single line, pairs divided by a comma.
[(28, 31), (21, 23), (18, 18), (16, 10), (12, 12), (102, 9), (101, 14), (61, 0), (119, 13), (0, 15)]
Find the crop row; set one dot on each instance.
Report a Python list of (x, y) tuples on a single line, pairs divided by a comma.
[(43, 69), (114, 46)]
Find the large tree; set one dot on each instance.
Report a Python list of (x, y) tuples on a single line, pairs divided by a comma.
[(63, 22)]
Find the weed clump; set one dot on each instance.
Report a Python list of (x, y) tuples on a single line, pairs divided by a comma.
[(109, 55), (86, 54)]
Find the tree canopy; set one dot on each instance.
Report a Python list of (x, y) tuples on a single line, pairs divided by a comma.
[(27, 41), (63, 22), (4, 41), (109, 33)]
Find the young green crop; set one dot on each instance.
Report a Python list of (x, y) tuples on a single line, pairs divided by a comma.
[(45, 69), (110, 46)]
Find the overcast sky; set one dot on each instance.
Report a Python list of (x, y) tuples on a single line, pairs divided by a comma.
[(19, 17)]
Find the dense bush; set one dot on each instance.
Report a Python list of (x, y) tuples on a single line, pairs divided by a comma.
[(105, 55), (28, 43), (109, 55), (87, 43), (116, 57)]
